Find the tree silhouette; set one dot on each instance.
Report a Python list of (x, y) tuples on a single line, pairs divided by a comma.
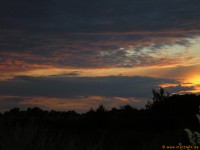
[(123, 128), (158, 96), (101, 109)]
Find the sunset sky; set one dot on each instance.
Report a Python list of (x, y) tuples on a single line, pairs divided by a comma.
[(77, 54)]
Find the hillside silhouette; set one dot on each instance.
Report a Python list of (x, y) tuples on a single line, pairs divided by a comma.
[(127, 128)]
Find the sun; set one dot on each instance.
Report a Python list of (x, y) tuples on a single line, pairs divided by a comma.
[(195, 79)]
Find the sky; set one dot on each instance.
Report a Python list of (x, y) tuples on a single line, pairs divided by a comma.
[(76, 55)]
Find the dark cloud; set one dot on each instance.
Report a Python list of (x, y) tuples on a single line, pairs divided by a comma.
[(112, 15), (7, 103), (99, 16), (72, 33), (81, 93), (114, 86), (181, 89), (69, 74)]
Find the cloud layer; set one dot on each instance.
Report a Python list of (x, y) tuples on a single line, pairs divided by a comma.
[(75, 93), (42, 34), (73, 49)]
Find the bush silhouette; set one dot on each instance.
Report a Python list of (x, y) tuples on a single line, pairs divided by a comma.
[(194, 136)]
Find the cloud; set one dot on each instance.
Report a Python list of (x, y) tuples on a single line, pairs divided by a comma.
[(92, 54), (84, 16), (113, 86), (80, 104), (43, 27), (73, 38), (82, 93), (45, 34)]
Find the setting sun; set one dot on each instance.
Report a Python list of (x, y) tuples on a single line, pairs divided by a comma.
[(195, 79)]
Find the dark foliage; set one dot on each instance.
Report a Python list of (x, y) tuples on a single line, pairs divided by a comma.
[(127, 128)]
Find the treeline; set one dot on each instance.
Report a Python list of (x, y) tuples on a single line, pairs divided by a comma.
[(127, 128)]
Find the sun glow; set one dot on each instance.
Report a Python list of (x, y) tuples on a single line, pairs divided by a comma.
[(195, 79)]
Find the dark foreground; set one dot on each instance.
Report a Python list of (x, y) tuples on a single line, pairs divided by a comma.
[(163, 123)]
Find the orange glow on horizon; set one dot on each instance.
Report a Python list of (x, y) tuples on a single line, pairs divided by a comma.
[(195, 79), (80, 103), (168, 85)]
